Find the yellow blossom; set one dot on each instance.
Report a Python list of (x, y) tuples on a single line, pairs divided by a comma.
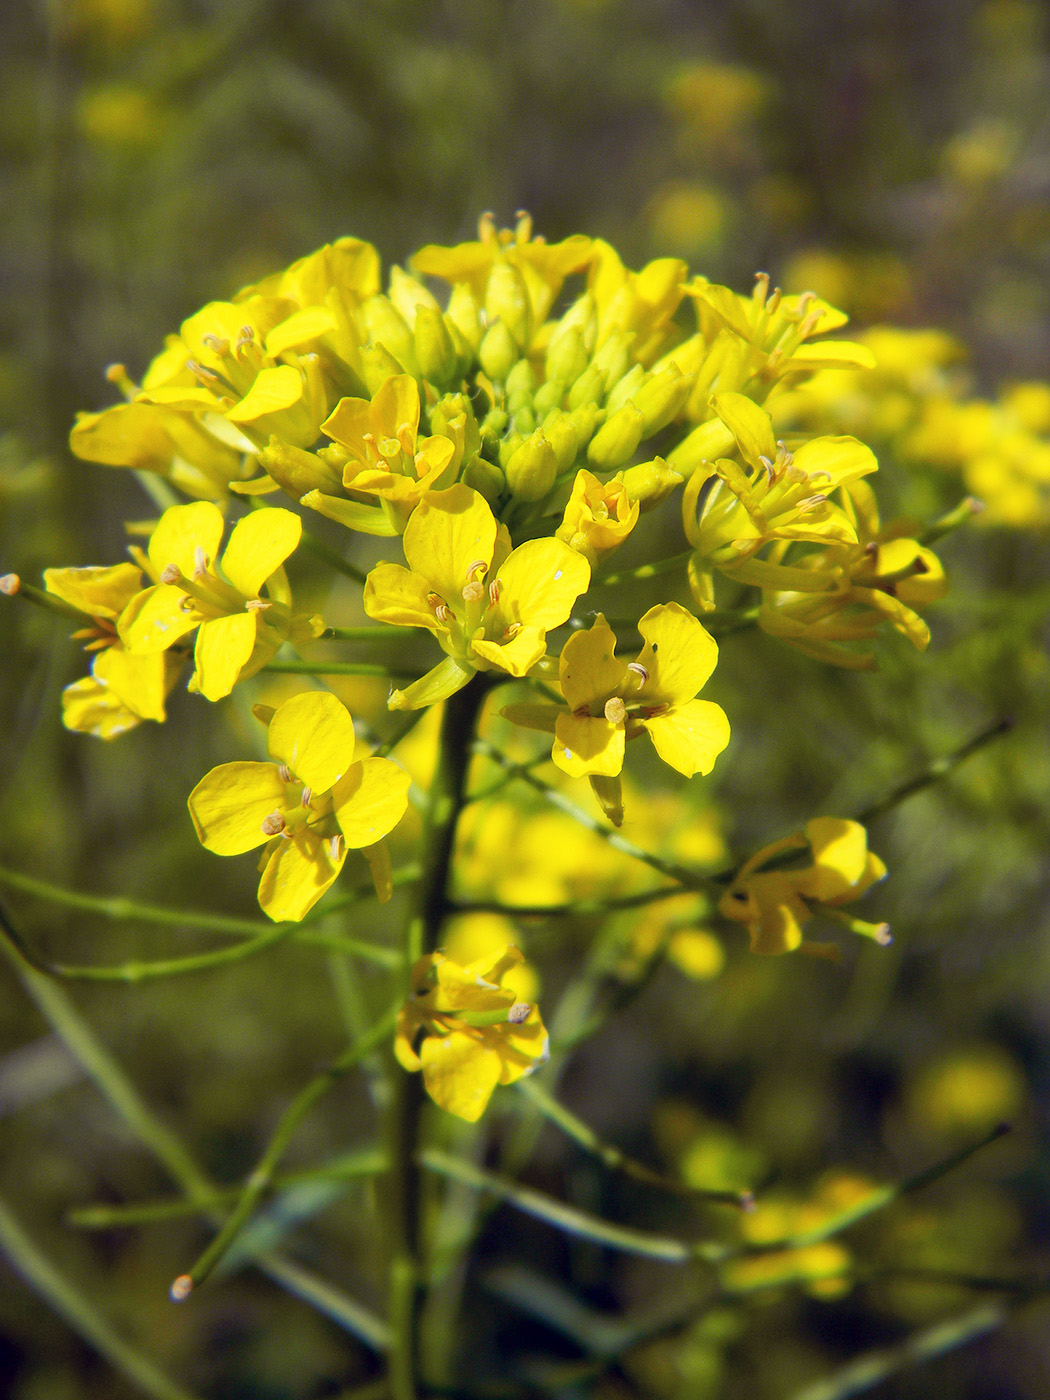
[(475, 1032), (487, 605), (238, 629), (775, 901), (598, 517), (308, 806)]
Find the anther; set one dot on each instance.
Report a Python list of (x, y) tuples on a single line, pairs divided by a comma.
[(200, 372), (770, 470), (494, 592), (200, 562), (273, 825), (247, 333), (257, 605), (640, 671), (10, 584), (336, 846), (304, 801), (478, 569), (284, 773), (518, 1013)]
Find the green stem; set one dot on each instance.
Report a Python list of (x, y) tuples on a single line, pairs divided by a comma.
[(615, 1159), (404, 1223), (375, 632), (658, 566), (936, 770), (331, 557), (81, 1313), (340, 668), (261, 1179)]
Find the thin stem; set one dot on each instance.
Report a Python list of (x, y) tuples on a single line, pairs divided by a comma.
[(404, 1223), (573, 908), (331, 557), (261, 1179), (614, 1158), (658, 566), (937, 769), (375, 632), (340, 668), (81, 1313)]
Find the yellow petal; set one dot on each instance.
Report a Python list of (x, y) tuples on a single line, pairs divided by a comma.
[(749, 424), (314, 735), (842, 459), (298, 329), (224, 647), (139, 682), (691, 736), (588, 668), (370, 800), (395, 406), (679, 653), (259, 545), (584, 745), (274, 389), (449, 533), (517, 656), (840, 858), (100, 592), (90, 708), (181, 531), (297, 873), (460, 1073), (230, 804), (394, 594), (540, 581), (155, 619)]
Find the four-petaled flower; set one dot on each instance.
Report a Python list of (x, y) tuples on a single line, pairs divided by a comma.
[(475, 1032), (239, 631), (487, 605), (774, 902), (308, 805)]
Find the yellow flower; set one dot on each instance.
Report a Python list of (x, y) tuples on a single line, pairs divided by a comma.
[(598, 517), (487, 605), (610, 701), (640, 305), (730, 514), (308, 805), (843, 593), (122, 689), (238, 630), (775, 902), (476, 1034), (384, 456)]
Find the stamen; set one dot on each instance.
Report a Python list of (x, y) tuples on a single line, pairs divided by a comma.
[(257, 605), (304, 801), (218, 343), (10, 584), (640, 671), (479, 568), (200, 562), (439, 607), (273, 825), (336, 846), (494, 592), (811, 502), (518, 1013), (284, 773), (770, 470), (248, 333), (207, 376)]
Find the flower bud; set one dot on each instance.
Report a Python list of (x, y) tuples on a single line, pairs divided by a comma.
[(464, 312), (409, 295), (520, 384), (582, 317), (377, 366), (589, 388), (498, 352), (617, 439), (387, 327), (649, 483), (625, 389), (485, 477), (453, 417), (566, 357), (563, 435), (547, 397), (704, 444), (297, 471), (435, 350), (661, 397), (613, 357), (532, 468), (507, 302)]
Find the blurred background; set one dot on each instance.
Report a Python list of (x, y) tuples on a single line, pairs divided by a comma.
[(895, 159)]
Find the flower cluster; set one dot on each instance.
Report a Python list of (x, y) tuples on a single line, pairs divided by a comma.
[(504, 438)]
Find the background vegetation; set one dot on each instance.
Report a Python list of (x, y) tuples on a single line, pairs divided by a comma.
[(896, 158)]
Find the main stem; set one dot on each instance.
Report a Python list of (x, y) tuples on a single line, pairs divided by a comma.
[(423, 934)]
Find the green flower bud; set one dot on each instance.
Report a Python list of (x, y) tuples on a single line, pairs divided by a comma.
[(521, 382), (589, 388), (649, 483), (617, 439), (464, 350), (297, 471), (387, 327), (524, 420), (582, 317), (435, 351), (613, 357), (464, 311), (561, 432), (567, 357), (661, 397), (547, 397), (585, 420), (507, 448), (377, 366), (625, 389), (531, 468), (453, 417), (484, 476), (498, 352), (507, 301), (409, 295), (704, 444)]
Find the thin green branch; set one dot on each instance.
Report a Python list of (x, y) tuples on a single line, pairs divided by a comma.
[(331, 557), (874, 1367), (374, 632), (340, 668), (573, 908), (564, 1217), (934, 771), (80, 1312), (617, 1160), (261, 1179), (669, 565)]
